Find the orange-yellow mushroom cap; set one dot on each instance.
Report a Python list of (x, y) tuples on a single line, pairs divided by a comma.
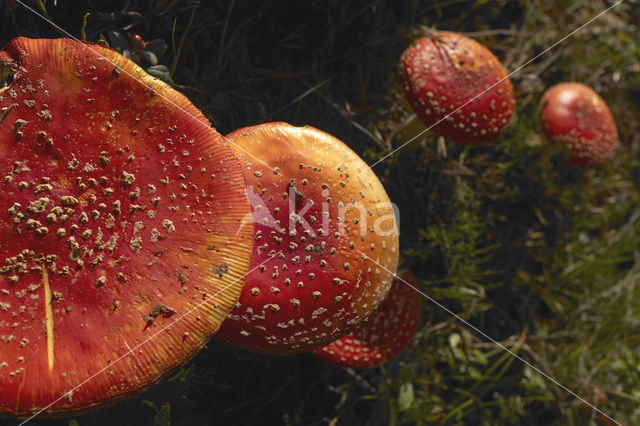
[(325, 240)]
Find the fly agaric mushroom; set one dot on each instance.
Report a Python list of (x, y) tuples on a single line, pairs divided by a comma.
[(121, 212), (385, 334), (574, 115), (448, 73), (325, 239)]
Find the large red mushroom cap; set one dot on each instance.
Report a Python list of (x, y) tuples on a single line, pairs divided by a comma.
[(385, 334), (574, 115), (120, 213), (442, 74), (325, 240)]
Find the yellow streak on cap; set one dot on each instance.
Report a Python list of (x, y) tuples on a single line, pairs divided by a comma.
[(48, 316)]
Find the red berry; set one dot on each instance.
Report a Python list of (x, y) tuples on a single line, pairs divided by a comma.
[(137, 42)]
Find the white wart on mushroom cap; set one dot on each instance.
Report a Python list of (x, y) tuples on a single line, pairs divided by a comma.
[(385, 334), (325, 240), (121, 211)]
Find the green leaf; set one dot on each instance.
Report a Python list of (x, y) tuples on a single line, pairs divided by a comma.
[(405, 396), (161, 72), (150, 57), (83, 30), (163, 417), (454, 340), (117, 41), (158, 47)]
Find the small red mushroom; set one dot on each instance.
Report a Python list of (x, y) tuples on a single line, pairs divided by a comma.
[(120, 213), (574, 115), (385, 334), (454, 81), (325, 240)]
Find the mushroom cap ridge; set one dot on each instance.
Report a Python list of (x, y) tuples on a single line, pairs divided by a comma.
[(121, 212)]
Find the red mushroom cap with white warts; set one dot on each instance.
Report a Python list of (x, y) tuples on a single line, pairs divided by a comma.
[(120, 212), (574, 115), (385, 334), (325, 240), (442, 74)]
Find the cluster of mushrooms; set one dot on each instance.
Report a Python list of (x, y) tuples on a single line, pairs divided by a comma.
[(131, 232)]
